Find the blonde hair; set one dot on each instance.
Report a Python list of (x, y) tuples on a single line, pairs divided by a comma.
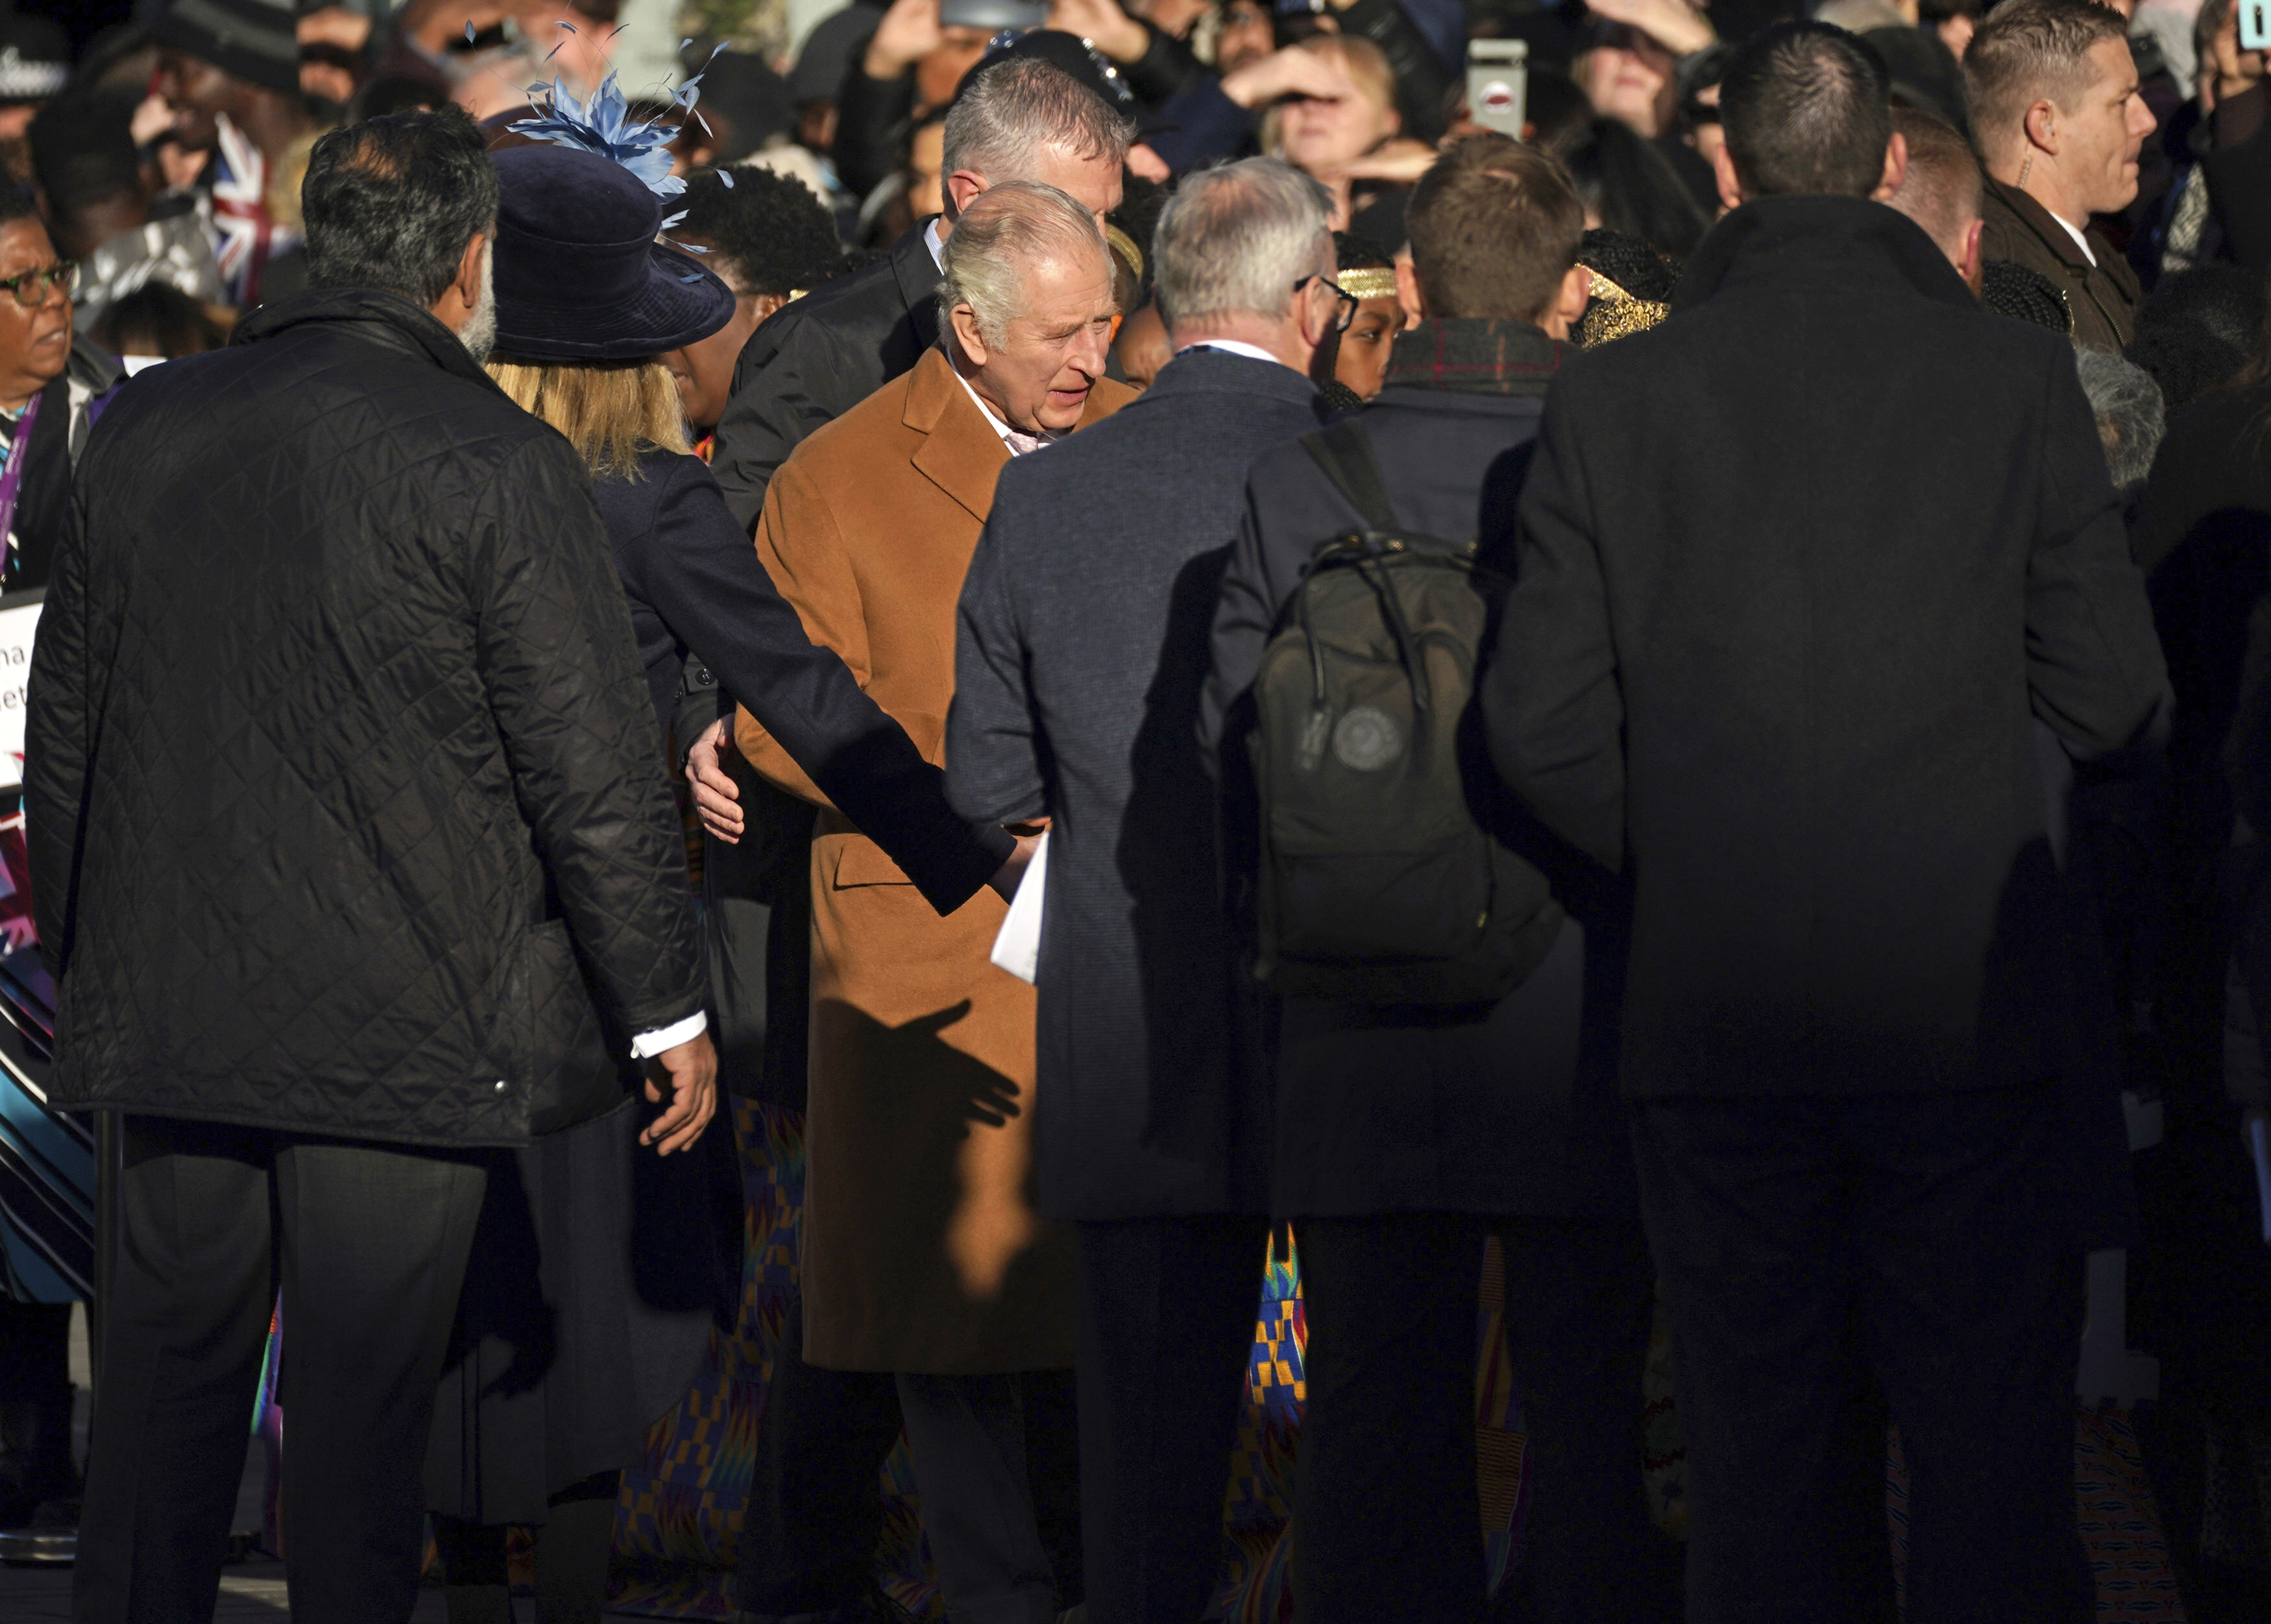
[(1360, 58), (611, 411)]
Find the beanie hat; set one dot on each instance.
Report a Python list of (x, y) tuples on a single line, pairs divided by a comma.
[(34, 59), (256, 40)]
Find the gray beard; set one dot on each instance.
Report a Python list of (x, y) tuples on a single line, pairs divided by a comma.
[(478, 334)]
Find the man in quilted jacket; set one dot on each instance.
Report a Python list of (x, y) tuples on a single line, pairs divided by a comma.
[(351, 853)]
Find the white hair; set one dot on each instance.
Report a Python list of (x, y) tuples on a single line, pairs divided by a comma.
[(1004, 118), (1006, 230), (1235, 240)]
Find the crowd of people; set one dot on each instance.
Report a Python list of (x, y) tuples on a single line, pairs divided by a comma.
[(1149, 632)]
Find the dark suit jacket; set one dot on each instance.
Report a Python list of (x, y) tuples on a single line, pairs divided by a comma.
[(811, 362), (2102, 296), (696, 586), (1082, 645), (1404, 1109), (1798, 570)]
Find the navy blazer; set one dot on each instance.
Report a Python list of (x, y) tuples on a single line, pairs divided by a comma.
[(1082, 648), (696, 585)]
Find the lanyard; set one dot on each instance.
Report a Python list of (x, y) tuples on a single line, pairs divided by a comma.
[(11, 480)]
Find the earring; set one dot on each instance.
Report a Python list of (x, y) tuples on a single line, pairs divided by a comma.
[(2025, 168)]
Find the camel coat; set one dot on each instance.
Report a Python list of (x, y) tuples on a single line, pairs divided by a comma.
[(922, 1252)]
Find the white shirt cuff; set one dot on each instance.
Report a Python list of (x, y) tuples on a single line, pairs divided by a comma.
[(647, 1045)]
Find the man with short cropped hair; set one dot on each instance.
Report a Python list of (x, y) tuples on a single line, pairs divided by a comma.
[(1403, 1136), (1083, 643), (2058, 121), (1796, 693), (1941, 190), (334, 622)]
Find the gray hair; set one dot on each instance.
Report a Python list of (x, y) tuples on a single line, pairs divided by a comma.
[(2129, 414), (1006, 231), (1235, 240), (1005, 117)]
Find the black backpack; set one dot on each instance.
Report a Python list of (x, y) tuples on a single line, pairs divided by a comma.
[(1377, 883)]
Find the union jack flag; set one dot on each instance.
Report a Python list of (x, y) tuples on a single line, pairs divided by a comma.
[(245, 235)]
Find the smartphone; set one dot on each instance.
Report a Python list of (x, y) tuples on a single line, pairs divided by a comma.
[(1498, 81), (994, 15), (2254, 24)]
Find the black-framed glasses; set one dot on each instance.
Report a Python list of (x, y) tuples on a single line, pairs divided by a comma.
[(1347, 300), (31, 288)]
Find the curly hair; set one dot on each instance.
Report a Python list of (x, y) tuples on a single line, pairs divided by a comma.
[(766, 232)]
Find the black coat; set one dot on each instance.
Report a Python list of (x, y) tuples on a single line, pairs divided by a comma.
[(59, 434), (1405, 1108), (811, 362), (1082, 645), (696, 586), (1797, 570), (339, 759)]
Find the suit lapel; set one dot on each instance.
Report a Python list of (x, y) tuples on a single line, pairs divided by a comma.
[(960, 453)]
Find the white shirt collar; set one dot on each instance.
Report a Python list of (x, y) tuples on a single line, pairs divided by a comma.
[(935, 240), (1233, 347), (1018, 442), (2080, 241)]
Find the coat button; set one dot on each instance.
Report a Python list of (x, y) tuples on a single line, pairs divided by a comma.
[(500, 1086)]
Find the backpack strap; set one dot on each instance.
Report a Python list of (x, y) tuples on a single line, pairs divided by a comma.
[(1343, 450)]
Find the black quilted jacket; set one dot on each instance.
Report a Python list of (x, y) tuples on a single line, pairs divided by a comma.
[(337, 740)]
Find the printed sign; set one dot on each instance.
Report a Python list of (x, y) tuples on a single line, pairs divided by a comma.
[(19, 621)]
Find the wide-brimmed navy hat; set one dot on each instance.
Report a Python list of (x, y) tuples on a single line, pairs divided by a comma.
[(579, 275)]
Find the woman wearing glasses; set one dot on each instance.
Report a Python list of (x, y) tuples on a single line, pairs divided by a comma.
[(50, 390), (53, 385)]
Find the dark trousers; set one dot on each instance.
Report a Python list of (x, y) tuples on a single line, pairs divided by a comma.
[(1926, 1230), (816, 1499), (991, 1457), (370, 1242), (1166, 1329), (1386, 1526), (35, 1408)]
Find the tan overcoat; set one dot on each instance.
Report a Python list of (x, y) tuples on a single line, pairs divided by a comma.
[(921, 1251)]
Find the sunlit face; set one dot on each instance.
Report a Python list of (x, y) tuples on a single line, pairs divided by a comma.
[(2099, 140), (1093, 183), (1322, 135), (1037, 372), (1629, 76), (1363, 358), (34, 343), (1143, 346)]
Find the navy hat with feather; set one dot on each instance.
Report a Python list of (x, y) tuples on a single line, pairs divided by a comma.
[(580, 274)]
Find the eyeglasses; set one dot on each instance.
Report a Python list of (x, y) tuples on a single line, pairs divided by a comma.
[(1348, 301), (31, 288)]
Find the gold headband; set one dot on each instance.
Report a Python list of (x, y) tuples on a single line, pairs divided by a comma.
[(1129, 254), (1374, 282)]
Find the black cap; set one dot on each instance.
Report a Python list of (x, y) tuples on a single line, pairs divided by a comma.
[(34, 59), (1068, 51), (826, 56), (256, 40)]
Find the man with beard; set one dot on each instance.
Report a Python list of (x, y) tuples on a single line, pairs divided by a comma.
[(352, 854)]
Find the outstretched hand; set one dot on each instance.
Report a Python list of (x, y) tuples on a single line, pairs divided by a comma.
[(717, 798)]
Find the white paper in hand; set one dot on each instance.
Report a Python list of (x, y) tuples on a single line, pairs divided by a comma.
[(1017, 949)]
